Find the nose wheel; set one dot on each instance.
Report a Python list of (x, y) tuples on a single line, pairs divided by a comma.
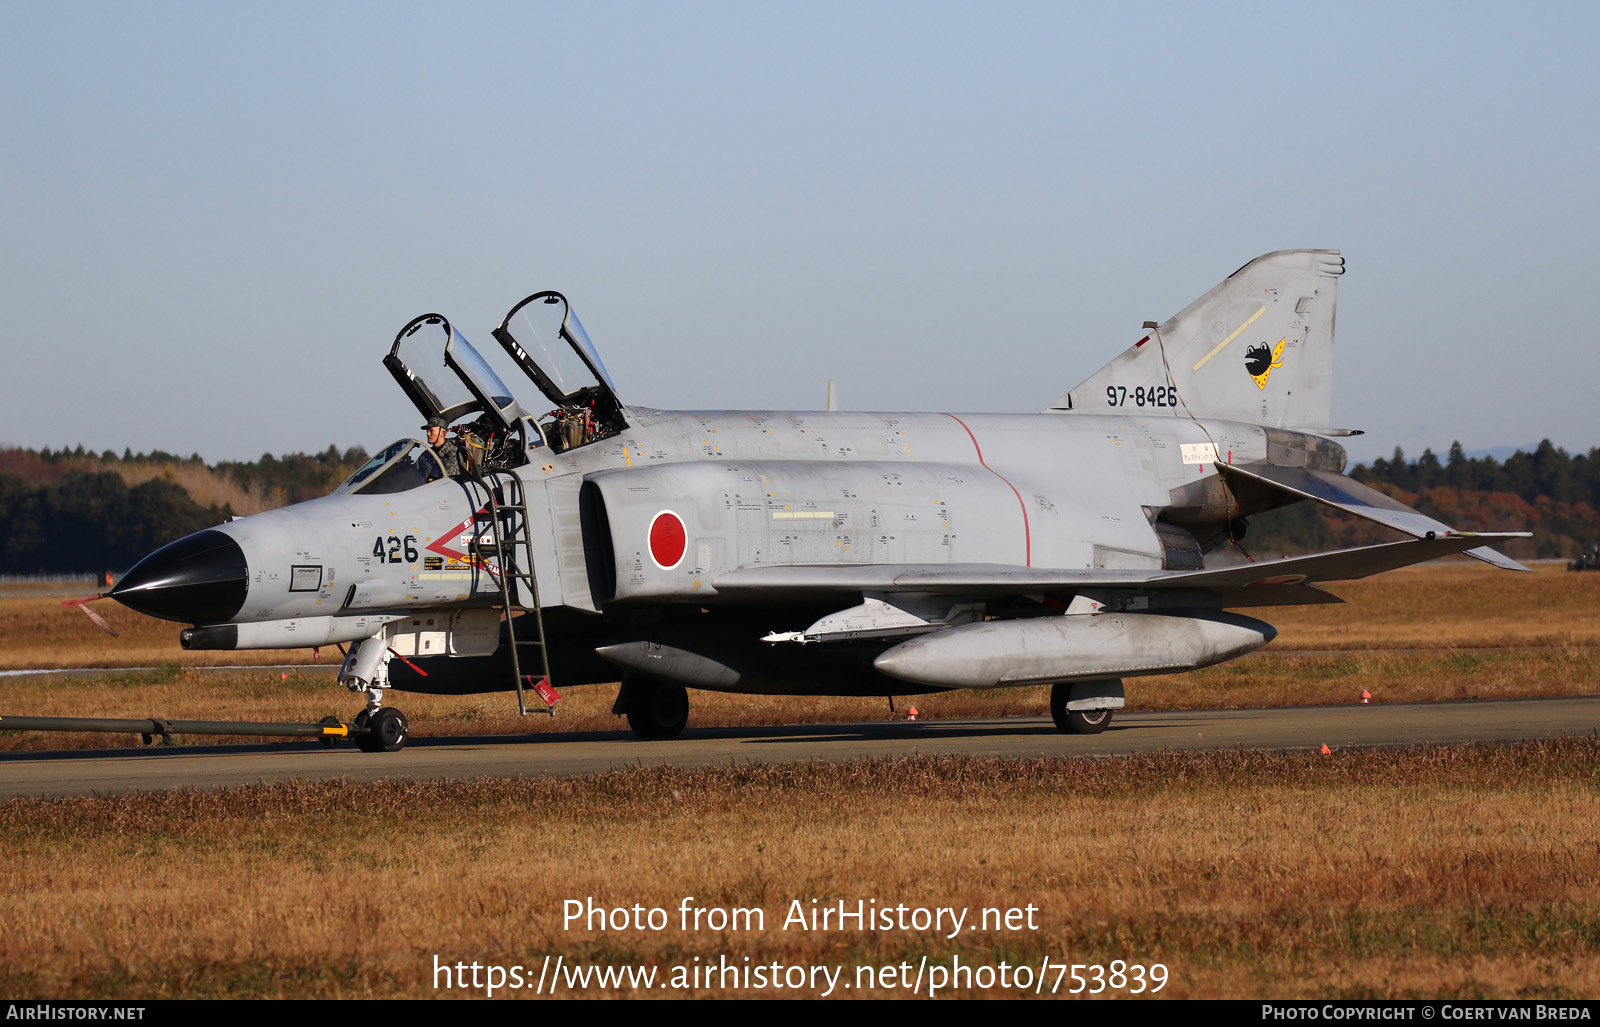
[(377, 728), (383, 730)]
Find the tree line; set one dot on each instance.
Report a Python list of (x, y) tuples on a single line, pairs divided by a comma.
[(1547, 472), (72, 511), (1554, 494)]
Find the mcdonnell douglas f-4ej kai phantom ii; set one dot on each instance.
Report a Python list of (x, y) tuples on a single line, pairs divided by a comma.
[(815, 553)]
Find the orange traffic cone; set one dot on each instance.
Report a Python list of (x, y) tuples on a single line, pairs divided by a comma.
[(1366, 696), (1326, 751), (911, 713)]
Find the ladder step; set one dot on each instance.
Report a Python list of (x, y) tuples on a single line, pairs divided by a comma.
[(507, 539)]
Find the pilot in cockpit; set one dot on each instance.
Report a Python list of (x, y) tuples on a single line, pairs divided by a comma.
[(451, 452)]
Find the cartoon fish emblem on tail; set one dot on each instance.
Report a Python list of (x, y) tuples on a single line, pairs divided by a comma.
[(1260, 363)]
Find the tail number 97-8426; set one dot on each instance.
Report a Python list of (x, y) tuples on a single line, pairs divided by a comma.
[(1141, 396)]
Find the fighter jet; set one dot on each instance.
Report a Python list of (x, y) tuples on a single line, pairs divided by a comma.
[(808, 553)]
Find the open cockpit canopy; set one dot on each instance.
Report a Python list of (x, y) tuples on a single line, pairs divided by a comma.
[(445, 377), (471, 386), (448, 379), (547, 341)]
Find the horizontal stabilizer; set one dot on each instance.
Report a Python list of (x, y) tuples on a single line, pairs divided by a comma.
[(1352, 497)]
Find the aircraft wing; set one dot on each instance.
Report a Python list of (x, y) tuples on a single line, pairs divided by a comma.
[(1288, 581), (1352, 497)]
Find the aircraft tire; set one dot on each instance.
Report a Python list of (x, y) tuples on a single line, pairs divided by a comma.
[(387, 730), (655, 708), (1075, 722), (358, 731)]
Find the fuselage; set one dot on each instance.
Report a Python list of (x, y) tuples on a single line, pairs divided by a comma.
[(745, 488)]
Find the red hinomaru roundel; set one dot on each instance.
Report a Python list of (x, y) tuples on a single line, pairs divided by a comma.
[(668, 540)]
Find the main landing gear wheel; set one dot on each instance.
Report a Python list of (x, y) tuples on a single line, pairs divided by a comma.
[(1075, 722), (655, 709), (386, 730)]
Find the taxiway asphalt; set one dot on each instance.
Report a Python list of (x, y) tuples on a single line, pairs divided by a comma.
[(105, 772)]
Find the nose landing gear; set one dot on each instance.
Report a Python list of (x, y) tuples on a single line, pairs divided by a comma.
[(377, 728)]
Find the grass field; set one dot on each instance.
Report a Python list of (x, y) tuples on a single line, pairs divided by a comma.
[(1452, 604), (1465, 872), (1437, 872), (1407, 636)]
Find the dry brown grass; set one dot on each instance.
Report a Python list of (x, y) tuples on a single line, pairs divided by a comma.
[(1442, 605), (41, 633), (1441, 872), (1543, 627), (1460, 872), (1456, 604), (1269, 679)]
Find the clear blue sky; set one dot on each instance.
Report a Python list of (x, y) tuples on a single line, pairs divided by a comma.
[(216, 216)]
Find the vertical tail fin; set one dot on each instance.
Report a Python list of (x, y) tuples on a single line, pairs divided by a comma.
[(1257, 348)]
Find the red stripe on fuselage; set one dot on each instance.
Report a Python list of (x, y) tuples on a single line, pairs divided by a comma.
[(1027, 531)]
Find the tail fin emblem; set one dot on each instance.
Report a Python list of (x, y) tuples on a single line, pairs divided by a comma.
[(1260, 364)]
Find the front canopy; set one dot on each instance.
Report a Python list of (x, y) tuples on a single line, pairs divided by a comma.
[(427, 348)]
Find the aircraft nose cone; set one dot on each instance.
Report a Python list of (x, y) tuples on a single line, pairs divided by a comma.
[(200, 577)]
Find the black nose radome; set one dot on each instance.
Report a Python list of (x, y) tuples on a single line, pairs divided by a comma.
[(200, 577)]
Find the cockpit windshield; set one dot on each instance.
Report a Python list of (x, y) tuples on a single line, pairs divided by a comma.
[(402, 466)]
